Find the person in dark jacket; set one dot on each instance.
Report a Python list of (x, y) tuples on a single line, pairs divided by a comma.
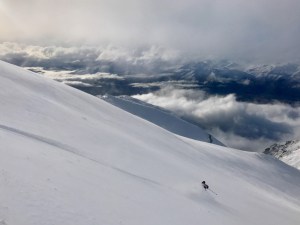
[(205, 186)]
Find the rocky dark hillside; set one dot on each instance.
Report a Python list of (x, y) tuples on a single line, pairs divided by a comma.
[(288, 152)]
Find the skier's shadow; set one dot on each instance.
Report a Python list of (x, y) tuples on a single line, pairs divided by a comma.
[(205, 197), (202, 196)]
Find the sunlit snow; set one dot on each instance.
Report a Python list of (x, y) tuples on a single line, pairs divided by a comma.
[(70, 158)]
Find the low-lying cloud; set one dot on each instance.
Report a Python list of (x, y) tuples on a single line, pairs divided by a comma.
[(76, 80), (240, 125), (87, 59)]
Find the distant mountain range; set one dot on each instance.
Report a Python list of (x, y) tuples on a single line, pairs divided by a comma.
[(288, 152), (146, 70), (254, 83)]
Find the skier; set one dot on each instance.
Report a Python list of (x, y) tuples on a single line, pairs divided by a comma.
[(205, 186), (210, 138)]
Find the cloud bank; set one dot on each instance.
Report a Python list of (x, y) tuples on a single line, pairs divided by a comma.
[(240, 125), (263, 30), (85, 56)]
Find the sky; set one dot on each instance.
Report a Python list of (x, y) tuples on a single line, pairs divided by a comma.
[(257, 30)]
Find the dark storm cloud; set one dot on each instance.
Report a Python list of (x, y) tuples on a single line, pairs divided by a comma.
[(238, 124), (254, 30)]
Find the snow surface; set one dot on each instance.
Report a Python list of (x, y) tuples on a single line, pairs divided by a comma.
[(161, 117), (70, 158)]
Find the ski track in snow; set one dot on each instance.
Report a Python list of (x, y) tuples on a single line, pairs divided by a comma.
[(70, 149), (40, 139)]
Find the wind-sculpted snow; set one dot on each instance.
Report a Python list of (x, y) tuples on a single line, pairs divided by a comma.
[(70, 158)]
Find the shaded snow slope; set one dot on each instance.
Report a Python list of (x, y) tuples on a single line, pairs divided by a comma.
[(70, 158), (161, 117), (288, 152)]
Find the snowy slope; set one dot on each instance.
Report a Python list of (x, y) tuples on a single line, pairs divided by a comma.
[(73, 159), (161, 117), (288, 152)]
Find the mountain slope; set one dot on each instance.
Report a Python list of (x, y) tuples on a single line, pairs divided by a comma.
[(73, 159), (288, 152), (161, 117)]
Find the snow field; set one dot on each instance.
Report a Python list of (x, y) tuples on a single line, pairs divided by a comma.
[(70, 158)]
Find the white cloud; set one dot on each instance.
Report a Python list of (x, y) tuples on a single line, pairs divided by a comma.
[(45, 51), (71, 76), (114, 54), (78, 84), (73, 79), (238, 124), (143, 55), (63, 76)]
